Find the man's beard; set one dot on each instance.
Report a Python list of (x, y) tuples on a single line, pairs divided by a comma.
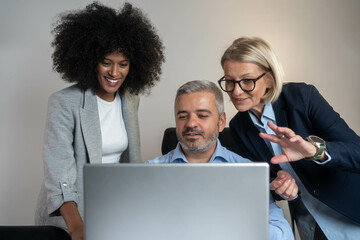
[(209, 141)]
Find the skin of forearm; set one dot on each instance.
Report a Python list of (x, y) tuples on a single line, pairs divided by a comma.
[(71, 216)]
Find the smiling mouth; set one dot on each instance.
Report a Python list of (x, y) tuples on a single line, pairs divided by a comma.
[(240, 99), (112, 80), (191, 132)]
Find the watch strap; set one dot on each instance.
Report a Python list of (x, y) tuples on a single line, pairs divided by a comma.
[(320, 147)]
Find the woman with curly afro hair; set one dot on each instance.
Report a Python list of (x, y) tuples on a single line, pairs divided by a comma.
[(111, 56)]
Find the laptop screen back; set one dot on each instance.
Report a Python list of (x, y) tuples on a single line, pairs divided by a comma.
[(176, 201)]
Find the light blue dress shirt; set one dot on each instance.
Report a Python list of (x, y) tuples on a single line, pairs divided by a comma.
[(279, 228), (334, 225)]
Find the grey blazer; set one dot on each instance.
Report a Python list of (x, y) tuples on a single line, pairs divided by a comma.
[(73, 138)]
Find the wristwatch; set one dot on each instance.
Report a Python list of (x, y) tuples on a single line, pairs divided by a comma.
[(320, 145)]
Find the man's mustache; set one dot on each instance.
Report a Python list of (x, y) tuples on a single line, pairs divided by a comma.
[(194, 130)]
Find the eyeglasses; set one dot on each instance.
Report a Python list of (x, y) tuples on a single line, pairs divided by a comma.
[(247, 85)]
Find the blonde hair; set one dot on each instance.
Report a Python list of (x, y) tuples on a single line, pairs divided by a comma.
[(255, 50)]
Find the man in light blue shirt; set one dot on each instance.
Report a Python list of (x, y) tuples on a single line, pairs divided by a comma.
[(199, 117)]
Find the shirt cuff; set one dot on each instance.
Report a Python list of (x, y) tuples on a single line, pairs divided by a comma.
[(324, 162)]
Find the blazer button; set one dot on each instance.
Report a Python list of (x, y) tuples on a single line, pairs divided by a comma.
[(316, 192), (64, 184)]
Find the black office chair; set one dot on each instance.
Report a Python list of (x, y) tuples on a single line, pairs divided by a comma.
[(170, 140), (33, 233)]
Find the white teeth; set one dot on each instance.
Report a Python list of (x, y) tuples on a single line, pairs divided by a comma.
[(113, 81)]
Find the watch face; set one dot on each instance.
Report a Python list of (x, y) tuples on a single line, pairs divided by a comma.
[(320, 145), (317, 139)]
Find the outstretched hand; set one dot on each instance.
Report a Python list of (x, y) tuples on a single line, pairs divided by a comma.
[(294, 146), (284, 185)]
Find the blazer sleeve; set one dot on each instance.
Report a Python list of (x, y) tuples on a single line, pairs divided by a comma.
[(59, 162), (343, 144)]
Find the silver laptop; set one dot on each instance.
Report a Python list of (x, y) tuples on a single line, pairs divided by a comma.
[(176, 201)]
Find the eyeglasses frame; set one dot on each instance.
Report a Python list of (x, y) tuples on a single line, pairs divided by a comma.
[(239, 81)]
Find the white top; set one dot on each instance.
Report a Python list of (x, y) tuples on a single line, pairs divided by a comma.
[(113, 132)]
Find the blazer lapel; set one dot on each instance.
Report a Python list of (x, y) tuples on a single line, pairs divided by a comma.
[(129, 105), (281, 120), (125, 156), (126, 113), (253, 141), (280, 113), (90, 126)]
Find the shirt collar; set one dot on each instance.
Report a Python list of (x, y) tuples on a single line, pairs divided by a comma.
[(268, 114), (179, 157)]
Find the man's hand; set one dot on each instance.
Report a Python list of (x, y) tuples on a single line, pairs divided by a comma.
[(284, 185)]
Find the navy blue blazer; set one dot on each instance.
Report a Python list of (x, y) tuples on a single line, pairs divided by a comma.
[(301, 108)]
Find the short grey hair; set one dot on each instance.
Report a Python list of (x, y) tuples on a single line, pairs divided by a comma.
[(255, 50), (203, 85)]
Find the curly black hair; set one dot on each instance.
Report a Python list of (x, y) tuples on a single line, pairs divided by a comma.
[(84, 37)]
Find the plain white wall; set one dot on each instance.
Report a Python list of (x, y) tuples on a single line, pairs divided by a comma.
[(318, 42)]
